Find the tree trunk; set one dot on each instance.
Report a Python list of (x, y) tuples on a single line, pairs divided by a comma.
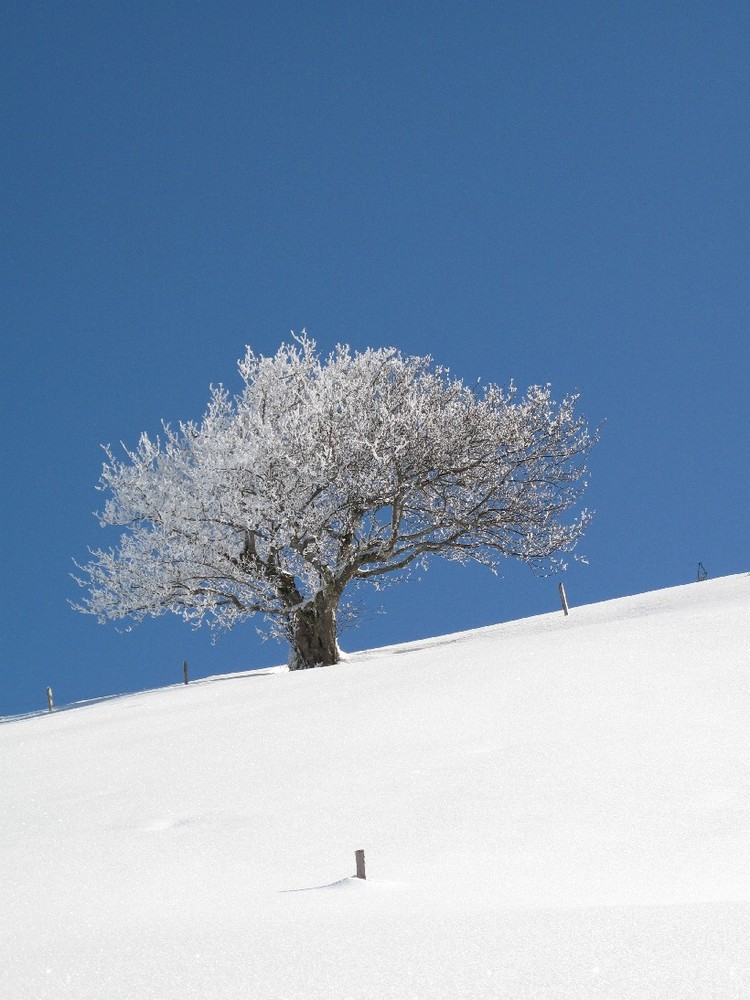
[(313, 634)]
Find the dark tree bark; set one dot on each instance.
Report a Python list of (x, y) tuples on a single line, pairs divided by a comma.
[(313, 633)]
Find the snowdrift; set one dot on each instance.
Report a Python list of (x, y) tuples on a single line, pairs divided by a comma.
[(555, 807)]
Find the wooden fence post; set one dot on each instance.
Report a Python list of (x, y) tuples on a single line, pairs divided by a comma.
[(185, 670), (360, 859), (50, 701), (563, 598)]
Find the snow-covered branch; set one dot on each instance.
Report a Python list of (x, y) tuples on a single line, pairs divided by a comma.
[(326, 471)]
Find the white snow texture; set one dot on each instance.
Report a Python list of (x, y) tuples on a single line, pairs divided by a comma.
[(551, 808)]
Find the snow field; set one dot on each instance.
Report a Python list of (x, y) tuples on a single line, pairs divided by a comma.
[(556, 807)]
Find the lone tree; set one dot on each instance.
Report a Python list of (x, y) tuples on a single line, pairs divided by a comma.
[(327, 472)]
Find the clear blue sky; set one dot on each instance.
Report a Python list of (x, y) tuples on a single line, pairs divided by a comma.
[(541, 192)]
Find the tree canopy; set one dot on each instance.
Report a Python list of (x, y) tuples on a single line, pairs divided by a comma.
[(325, 472)]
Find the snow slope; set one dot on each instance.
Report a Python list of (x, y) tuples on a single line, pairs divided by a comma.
[(552, 808)]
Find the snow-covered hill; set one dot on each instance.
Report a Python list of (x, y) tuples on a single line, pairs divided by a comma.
[(556, 807)]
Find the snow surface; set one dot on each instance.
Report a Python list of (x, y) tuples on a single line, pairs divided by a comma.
[(551, 808)]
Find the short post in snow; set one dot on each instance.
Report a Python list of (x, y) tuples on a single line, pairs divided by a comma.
[(359, 857), (50, 701), (185, 670), (563, 598)]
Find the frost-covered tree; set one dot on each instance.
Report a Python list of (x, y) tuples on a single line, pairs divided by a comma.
[(326, 472)]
